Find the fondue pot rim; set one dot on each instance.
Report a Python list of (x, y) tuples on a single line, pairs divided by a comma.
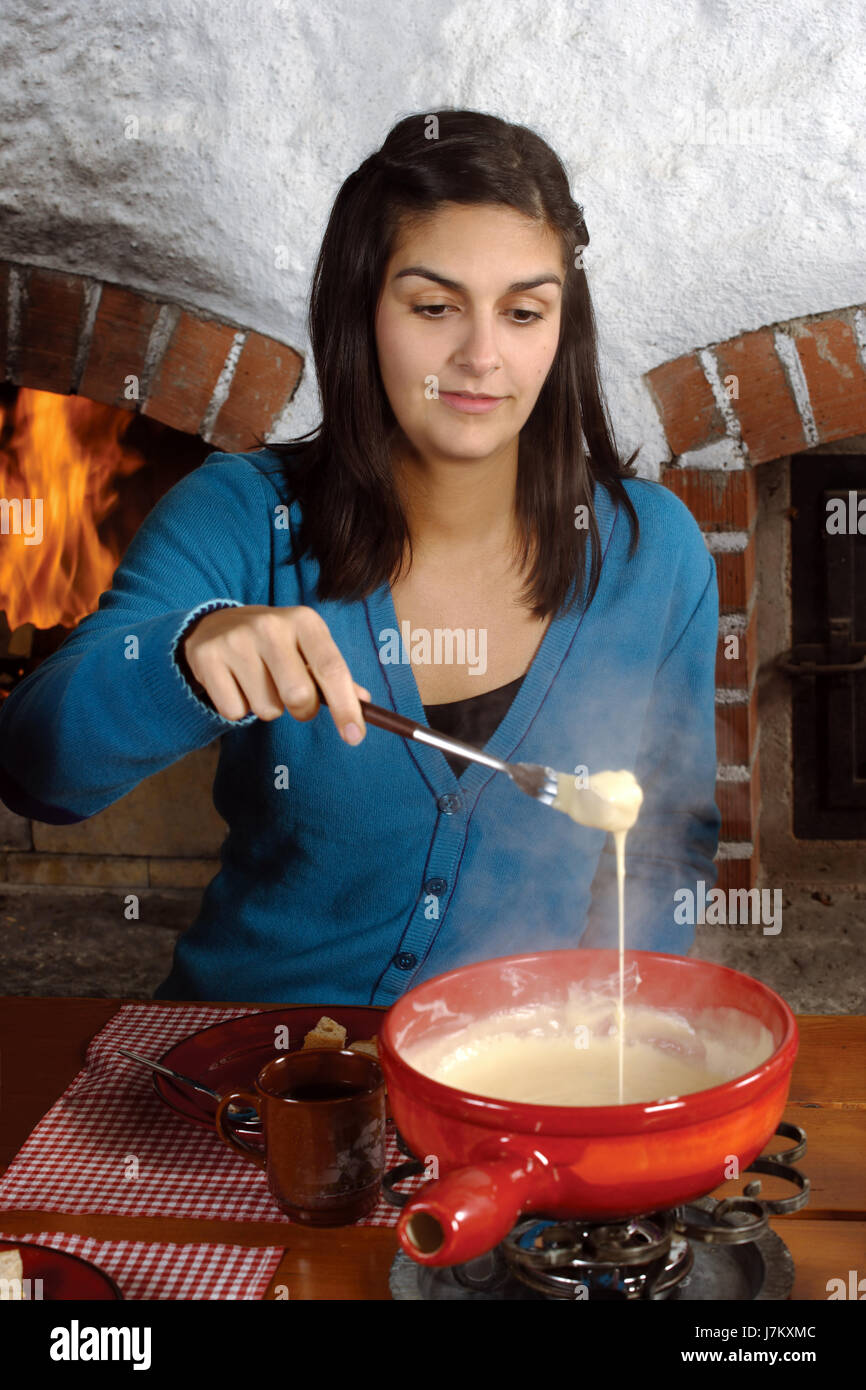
[(526, 1119)]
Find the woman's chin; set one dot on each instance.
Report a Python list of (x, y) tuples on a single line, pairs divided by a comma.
[(465, 446)]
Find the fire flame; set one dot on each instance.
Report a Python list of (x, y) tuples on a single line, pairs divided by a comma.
[(61, 454)]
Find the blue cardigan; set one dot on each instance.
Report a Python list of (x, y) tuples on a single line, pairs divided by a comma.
[(375, 867)]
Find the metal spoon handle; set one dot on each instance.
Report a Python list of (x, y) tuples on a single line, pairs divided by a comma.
[(242, 1114), (167, 1071)]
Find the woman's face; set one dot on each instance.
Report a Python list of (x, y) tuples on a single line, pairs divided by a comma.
[(450, 320)]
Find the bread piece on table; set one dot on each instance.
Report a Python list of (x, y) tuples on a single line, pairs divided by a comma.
[(11, 1269), (326, 1033), (368, 1045)]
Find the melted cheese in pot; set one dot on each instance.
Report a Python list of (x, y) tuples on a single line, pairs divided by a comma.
[(569, 1054)]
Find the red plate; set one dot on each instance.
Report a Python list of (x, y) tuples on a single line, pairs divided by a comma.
[(229, 1056), (64, 1276)]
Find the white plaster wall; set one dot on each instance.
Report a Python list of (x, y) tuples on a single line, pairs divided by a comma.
[(251, 112)]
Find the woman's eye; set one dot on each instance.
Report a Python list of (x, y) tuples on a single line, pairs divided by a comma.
[(430, 309)]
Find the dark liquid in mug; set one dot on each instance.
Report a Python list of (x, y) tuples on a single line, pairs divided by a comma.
[(324, 1090)]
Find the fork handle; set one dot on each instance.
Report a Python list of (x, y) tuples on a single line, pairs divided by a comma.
[(389, 719), (408, 728), (396, 723)]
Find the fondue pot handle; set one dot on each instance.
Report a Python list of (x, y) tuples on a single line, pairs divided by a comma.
[(466, 1213)]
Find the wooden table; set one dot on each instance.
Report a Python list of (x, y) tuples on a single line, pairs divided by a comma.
[(42, 1047)]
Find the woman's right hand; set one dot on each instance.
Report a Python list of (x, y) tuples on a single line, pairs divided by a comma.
[(255, 659)]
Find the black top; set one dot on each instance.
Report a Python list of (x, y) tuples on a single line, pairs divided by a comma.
[(473, 720)]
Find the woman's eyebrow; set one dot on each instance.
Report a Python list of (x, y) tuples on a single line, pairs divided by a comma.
[(519, 286)]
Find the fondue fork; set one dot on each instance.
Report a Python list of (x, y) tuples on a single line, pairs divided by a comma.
[(533, 779), (543, 784)]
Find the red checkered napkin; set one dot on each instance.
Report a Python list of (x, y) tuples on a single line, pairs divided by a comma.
[(153, 1271), (110, 1146)]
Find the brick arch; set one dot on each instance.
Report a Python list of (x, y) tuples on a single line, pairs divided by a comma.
[(725, 409), (206, 376), (797, 384)]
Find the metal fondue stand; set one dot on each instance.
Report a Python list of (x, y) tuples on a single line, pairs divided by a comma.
[(708, 1249)]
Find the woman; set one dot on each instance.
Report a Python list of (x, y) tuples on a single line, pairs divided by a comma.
[(488, 565)]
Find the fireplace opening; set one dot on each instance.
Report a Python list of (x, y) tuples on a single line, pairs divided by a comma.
[(77, 478), (109, 395)]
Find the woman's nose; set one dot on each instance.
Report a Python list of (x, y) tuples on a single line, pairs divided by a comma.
[(478, 353)]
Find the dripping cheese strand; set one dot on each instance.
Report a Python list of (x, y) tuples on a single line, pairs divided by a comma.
[(619, 840), (610, 801)]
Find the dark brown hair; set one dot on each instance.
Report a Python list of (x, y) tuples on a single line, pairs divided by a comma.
[(352, 520)]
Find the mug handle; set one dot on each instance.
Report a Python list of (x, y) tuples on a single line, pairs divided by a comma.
[(228, 1134)]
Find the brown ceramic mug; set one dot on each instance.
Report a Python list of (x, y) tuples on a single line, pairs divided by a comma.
[(323, 1122)]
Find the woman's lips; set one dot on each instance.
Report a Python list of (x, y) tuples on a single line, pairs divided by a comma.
[(470, 405)]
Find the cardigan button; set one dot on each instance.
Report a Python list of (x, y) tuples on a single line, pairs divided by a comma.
[(405, 960), (449, 804), (436, 886)]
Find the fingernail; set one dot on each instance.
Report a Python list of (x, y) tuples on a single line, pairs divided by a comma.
[(351, 733)]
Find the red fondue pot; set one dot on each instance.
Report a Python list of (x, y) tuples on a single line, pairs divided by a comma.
[(498, 1160)]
